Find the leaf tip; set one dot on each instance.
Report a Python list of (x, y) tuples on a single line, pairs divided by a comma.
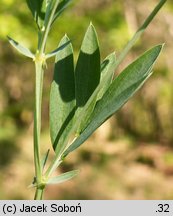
[(91, 27), (66, 38), (159, 48), (8, 37), (162, 45), (114, 54), (12, 41)]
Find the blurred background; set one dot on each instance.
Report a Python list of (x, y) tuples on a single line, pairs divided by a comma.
[(131, 155)]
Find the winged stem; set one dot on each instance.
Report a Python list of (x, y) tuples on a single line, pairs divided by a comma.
[(37, 119), (39, 73)]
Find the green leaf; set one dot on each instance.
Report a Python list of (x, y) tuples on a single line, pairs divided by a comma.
[(107, 69), (61, 7), (38, 9), (54, 52), (41, 10), (25, 51), (108, 63), (87, 73), (63, 177), (107, 73), (62, 96), (44, 159), (86, 111), (119, 92)]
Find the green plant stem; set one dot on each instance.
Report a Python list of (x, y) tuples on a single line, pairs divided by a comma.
[(139, 32), (39, 194), (54, 164), (39, 69), (47, 28), (37, 119)]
